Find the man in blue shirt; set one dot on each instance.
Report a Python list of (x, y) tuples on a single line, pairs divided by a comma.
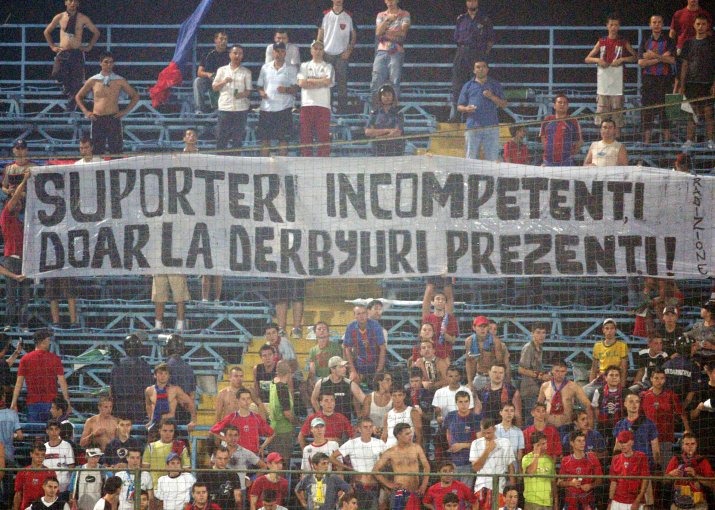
[(461, 428), (474, 37), (480, 99), (645, 433)]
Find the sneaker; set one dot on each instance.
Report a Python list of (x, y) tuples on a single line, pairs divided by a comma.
[(711, 144), (687, 145), (297, 333)]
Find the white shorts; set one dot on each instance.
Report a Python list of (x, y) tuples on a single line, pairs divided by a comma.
[(615, 505)]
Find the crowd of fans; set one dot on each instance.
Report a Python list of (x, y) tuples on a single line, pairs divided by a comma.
[(369, 434), (679, 61), (352, 418)]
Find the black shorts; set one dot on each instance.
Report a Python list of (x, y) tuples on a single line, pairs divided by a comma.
[(107, 134), (696, 90), (60, 288), (286, 289), (275, 125)]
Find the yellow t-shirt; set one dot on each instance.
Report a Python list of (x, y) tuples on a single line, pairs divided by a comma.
[(609, 355)]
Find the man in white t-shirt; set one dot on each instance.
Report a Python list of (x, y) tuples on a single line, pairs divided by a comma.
[(315, 79), (363, 452), (444, 398), (233, 83), (490, 455), (319, 444), (174, 488), (292, 50), (337, 31), (128, 477), (277, 85), (58, 454)]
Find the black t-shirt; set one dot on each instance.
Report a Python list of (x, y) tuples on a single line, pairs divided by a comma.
[(343, 395), (679, 372), (6, 377), (116, 451), (644, 360), (704, 424), (213, 60), (700, 56), (220, 484), (668, 338)]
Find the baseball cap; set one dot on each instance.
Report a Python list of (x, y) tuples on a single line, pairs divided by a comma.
[(670, 309), (279, 46), (709, 305), (480, 321), (317, 43), (274, 457), (610, 321), (20, 144), (624, 436), (336, 361), (317, 421), (94, 452), (172, 456)]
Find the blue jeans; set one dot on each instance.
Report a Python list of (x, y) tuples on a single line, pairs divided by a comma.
[(386, 67), (38, 412), (487, 139)]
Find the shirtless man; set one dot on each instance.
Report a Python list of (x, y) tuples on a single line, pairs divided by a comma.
[(404, 457), (560, 394), (101, 428), (68, 68), (227, 401), (106, 115), (162, 397)]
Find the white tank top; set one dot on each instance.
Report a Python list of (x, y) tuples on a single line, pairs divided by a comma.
[(393, 418), (605, 154), (377, 413)]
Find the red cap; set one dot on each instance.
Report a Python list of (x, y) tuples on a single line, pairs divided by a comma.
[(624, 436), (274, 457), (480, 321)]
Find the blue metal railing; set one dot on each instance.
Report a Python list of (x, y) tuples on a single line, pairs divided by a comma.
[(434, 38)]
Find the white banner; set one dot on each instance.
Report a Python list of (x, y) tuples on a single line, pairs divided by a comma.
[(364, 217)]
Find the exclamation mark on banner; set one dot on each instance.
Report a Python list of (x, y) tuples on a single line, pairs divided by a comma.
[(669, 255)]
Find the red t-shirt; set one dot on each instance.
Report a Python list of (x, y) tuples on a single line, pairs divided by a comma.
[(40, 370), (683, 21), (635, 465), (29, 483), (444, 350), (209, 506), (12, 233), (336, 426), (262, 483), (514, 153), (581, 468), (436, 493), (700, 464), (553, 441), (661, 410), (250, 428)]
